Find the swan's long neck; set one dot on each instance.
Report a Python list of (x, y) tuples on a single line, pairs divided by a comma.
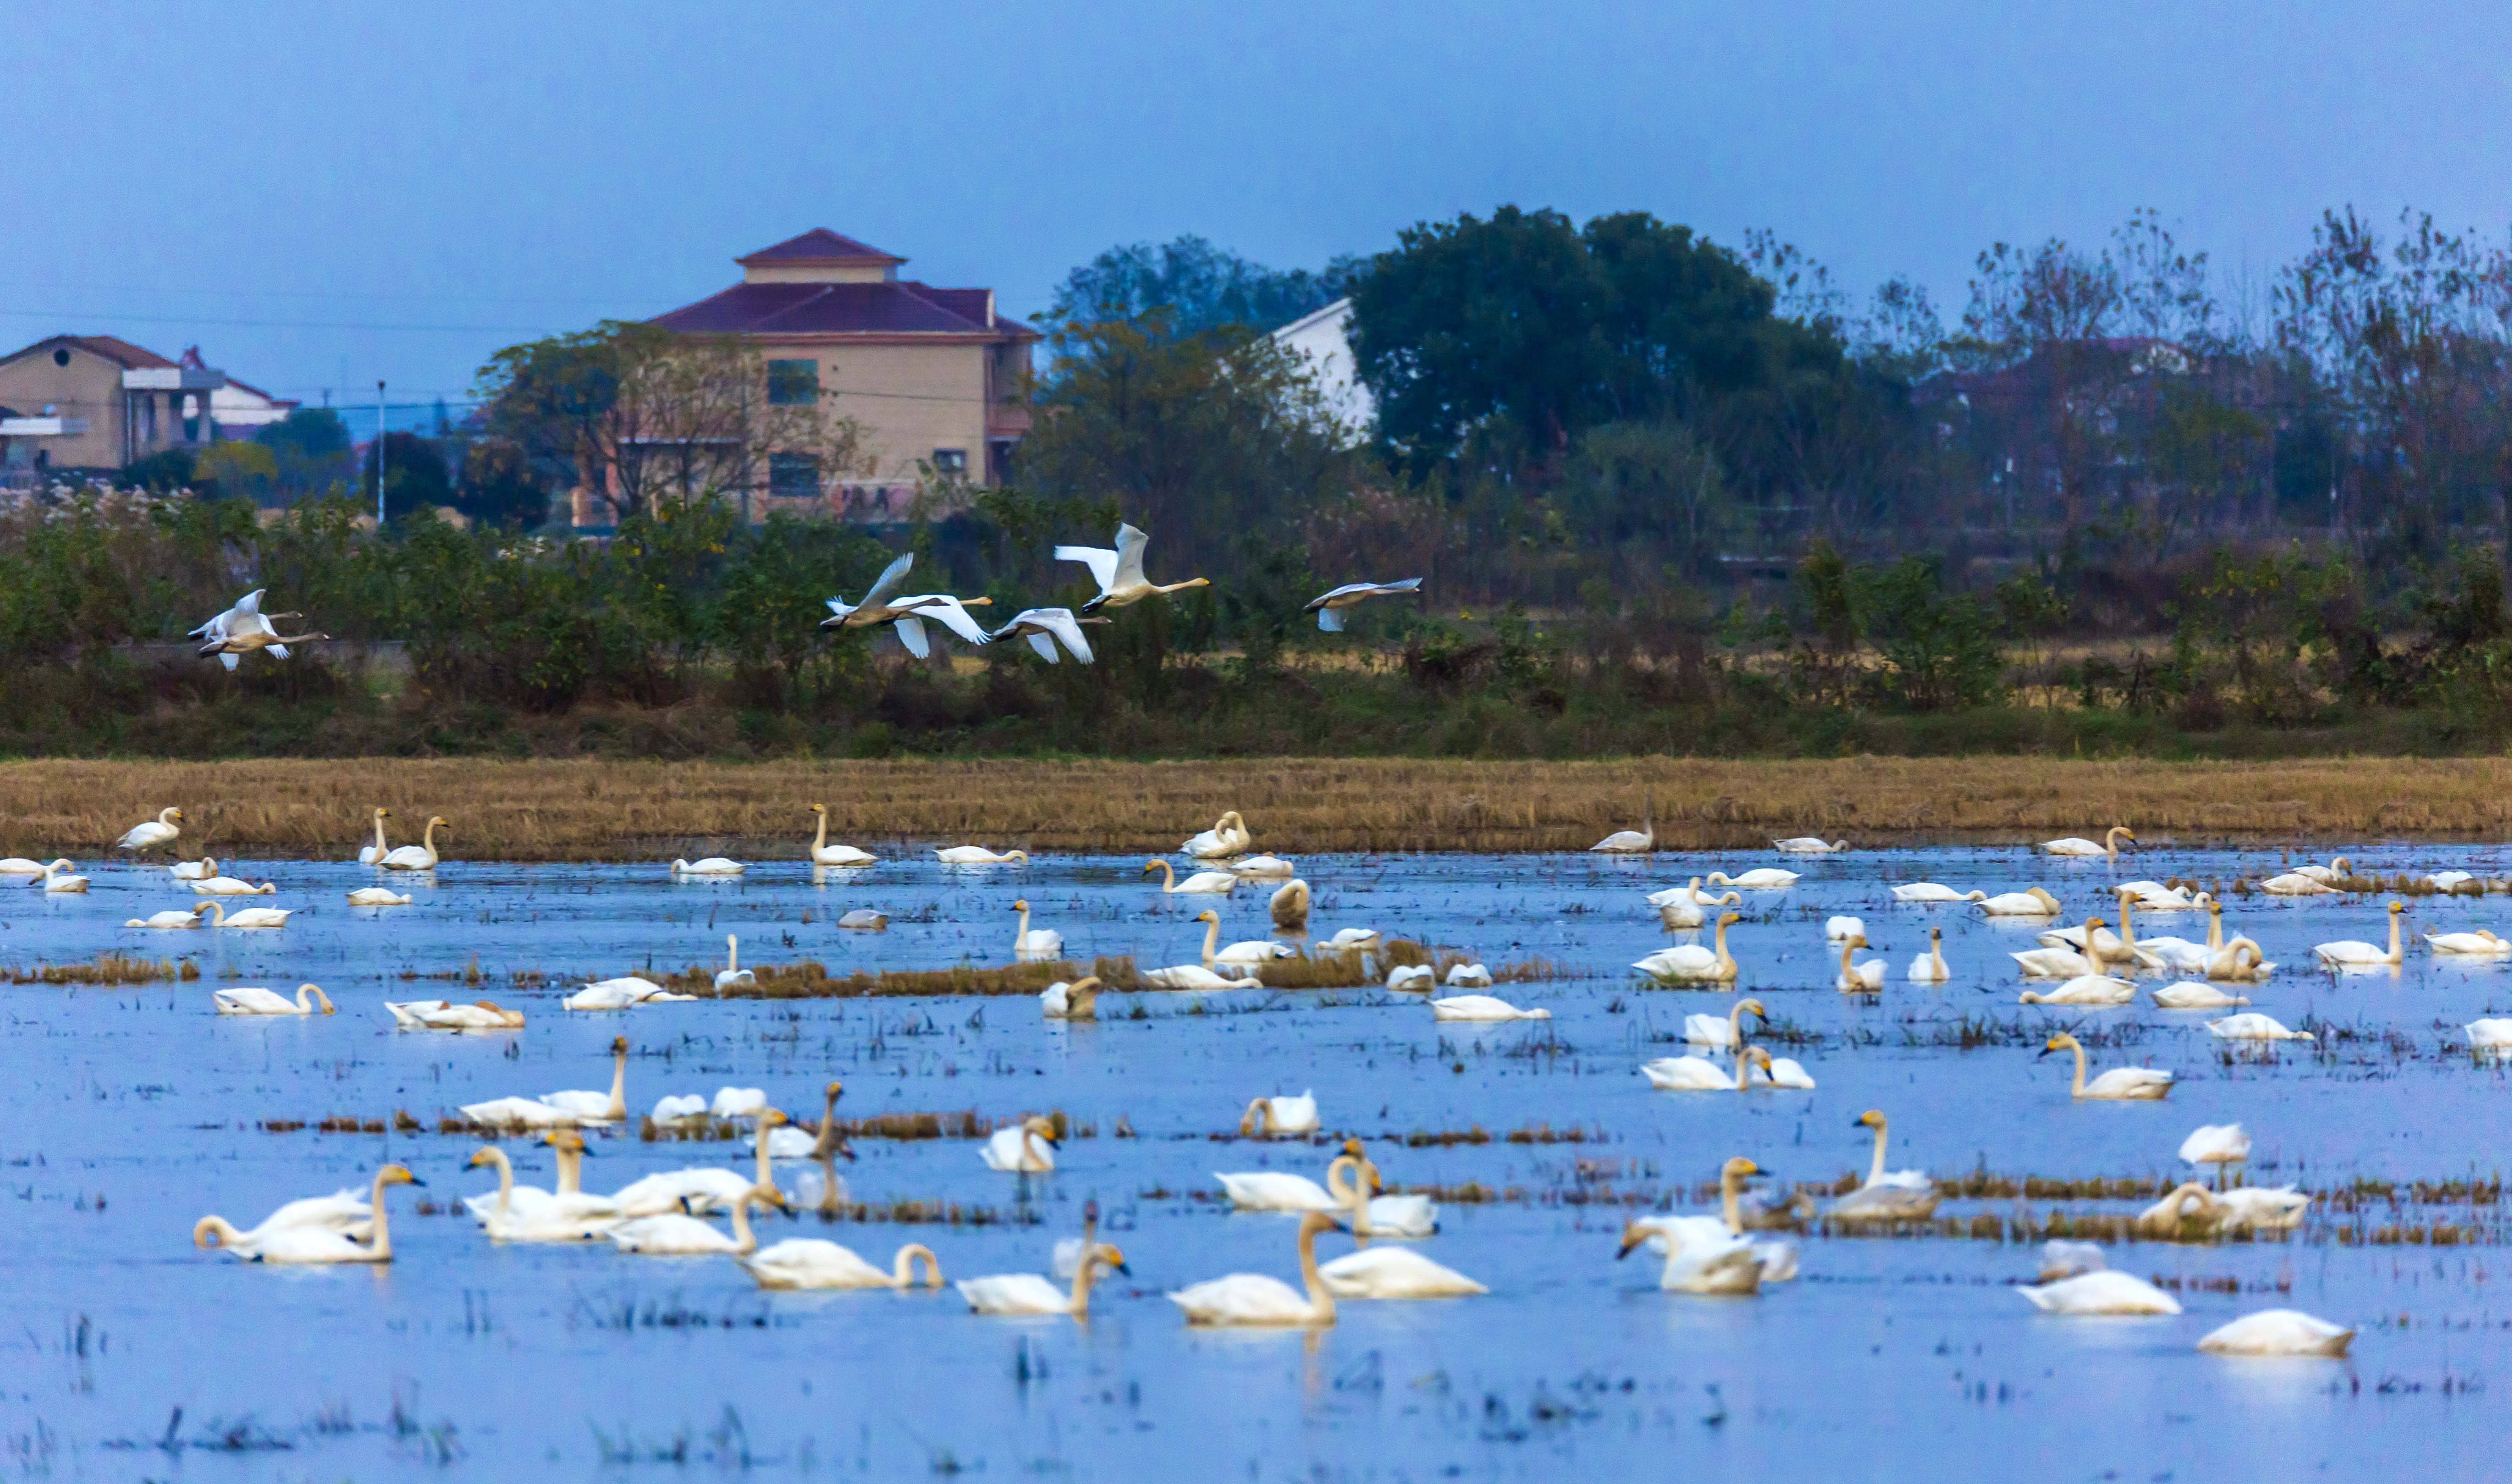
[(216, 908), (165, 816), (744, 1241), (1020, 940), (902, 1269), (505, 1180), (1937, 953), (1741, 1049), (1354, 1196), (2110, 841), (2079, 1088), (1736, 1024), (305, 999), (2395, 954), (2216, 929), (1729, 1206), (820, 837), (1212, 939), (1321, 1300), (2128, 927), (767, 1174), (379, 832), (1722, 940), (1846, 948), (618, 1086), (1876, 1171), (1169, 876), (381, 1243), (570, 1171), (827, 1144), (215, 1226), (733, 953), (427, 837), (1082, 1277)]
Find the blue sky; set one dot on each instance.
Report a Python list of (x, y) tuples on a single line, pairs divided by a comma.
[(325, 194)]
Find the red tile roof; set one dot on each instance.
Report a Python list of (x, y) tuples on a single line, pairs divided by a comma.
[(821, 246), (898, 307), (121, 351)]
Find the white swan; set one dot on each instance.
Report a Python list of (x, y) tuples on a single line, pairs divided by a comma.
[(1809, 844), (1859, 978), (1759, 878), (626, 992), (1840, 929), (978, 855), (2294, 885), (1930, 967), (2119, 1085), (1228, 838), (442, 1015), (2336, 869), (1275, 1190), (2077, 844), (2347, 953), (732, 974), (553, 1108), (377, 896), (194, 870), (18, 865), (2083, 990), (259, 1002), (907, 615), (232, 887), (1078, 1000), (1043, 627), (421, 856), (514, 1213), (672, 1107), (314, 1243), (2240, 962), (1022, 1293), (1352, 940), (1694, 1074), (2480, 942), (2183, 956), (59, 883), (1026, 1149), (1413, 977), (1681, 907), (1703, 1255), (1930, 891), (1723, 1032), (1396, 1272), (190, 918), (1690, 963), (344, 1211), (1204, 882), (2103, 1292), (2278, 1332), (152, 833), (1639, 842), (2250, 1026), (1482, 1007), (675, 1234), (710, 865), (2030, 902), (1782, 1071), (1268, 866), (865, 920), (2154, 896), (1196, 976), (1279, 1118), (1372, 1213), (700, 1188), (738, 1102), (1708, 1236), (2055, 962), (1255, 1299), (368, 855), (250, 917), (2065, 1260), (1888, 1194), (2217, 1144), (2189, 995), (1290, 906), (825, 854), (1246, 951), (1121, 582), (2490, 1035), (1328, 606), (2447, 881), (1467, 976), (784, 1140), (811, 1262)]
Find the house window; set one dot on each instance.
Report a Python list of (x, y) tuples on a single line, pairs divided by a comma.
[(793, 383), (794, 476), (952, 461)]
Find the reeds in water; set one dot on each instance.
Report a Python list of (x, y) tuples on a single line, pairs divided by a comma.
[(109, 968)]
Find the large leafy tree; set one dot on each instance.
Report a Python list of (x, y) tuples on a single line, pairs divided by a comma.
[(1188, 287)]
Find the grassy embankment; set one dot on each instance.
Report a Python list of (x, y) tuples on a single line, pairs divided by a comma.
[(626, 810)]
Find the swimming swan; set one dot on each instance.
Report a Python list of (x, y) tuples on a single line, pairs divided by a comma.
[(314, 1243), (701, 1188), (2076, 845), (232, 887), (2293, 884), (1694, 1073), (732, 974), (825, 854), (1256, 1299), (2483, 941), (1703, 1255), (1930, 967), (813, 1261), (421, 856), (1207, 882), (1482, 1007), (2278, 1332), (258, 1002), (2189, 995), (1930, 891), (1228, 838), (1269, 867), (1680, 907), (1396, 1272), (368, 855), (1887, 1194), (191, 918), (194, 870), (978, 855), (1373, 1213), (677, 1234), (1759, 878), (2083, 990), (1639, 842), (2250, 1026), (1290, 906), (1027, 1148), (626, 993), (1723, 1032), (344, 1211), (553, 1108), (250, 917), (2103, 1292), (377, 896), (1078, 1000), (1859, 978), (58, 881), (1690, 963), (1279, 1118), (1808, 844), (1196, 976), (713, 865), (2119, 1085), (2347, 953), (443, 1015), (2218, 1145), (2030, 902)]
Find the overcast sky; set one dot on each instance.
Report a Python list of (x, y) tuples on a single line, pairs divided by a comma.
[(320, 195)]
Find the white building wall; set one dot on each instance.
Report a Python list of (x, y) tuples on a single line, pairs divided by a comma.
[(1323, 340)]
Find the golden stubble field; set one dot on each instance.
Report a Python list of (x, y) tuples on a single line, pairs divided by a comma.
[(596, 810)]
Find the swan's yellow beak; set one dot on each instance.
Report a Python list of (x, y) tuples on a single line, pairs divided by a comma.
[(1115, 1257), (482, 1157)]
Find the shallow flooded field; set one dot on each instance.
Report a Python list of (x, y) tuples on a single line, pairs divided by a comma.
[(131, 1110)]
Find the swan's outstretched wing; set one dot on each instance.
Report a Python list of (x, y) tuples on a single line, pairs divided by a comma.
[(1045, 648), (1101, 561), (1129, 556), (1331, 620), (228, 660), (950, 612), (911, 633), (277, 652), (891, 576), (1061, 623), (250, 602)]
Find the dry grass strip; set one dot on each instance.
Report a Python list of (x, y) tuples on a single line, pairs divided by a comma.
[(593, 810)]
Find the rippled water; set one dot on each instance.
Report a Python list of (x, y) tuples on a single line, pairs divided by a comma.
[(129, 1112)]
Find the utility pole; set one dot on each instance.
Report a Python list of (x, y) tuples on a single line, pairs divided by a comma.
[(379, 456)]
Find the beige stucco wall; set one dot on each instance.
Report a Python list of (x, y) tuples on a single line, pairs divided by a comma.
[(909, 399), (88, 387)]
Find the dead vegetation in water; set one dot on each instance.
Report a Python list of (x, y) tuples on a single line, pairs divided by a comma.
[(563, 810), (109, 968), (811, 980)]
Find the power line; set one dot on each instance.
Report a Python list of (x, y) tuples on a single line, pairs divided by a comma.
[(59, 315)]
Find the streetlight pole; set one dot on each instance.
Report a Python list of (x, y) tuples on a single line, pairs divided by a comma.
[(379, 456)]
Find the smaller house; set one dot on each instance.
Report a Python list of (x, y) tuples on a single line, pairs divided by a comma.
[(1323, 339), (240, 407)]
